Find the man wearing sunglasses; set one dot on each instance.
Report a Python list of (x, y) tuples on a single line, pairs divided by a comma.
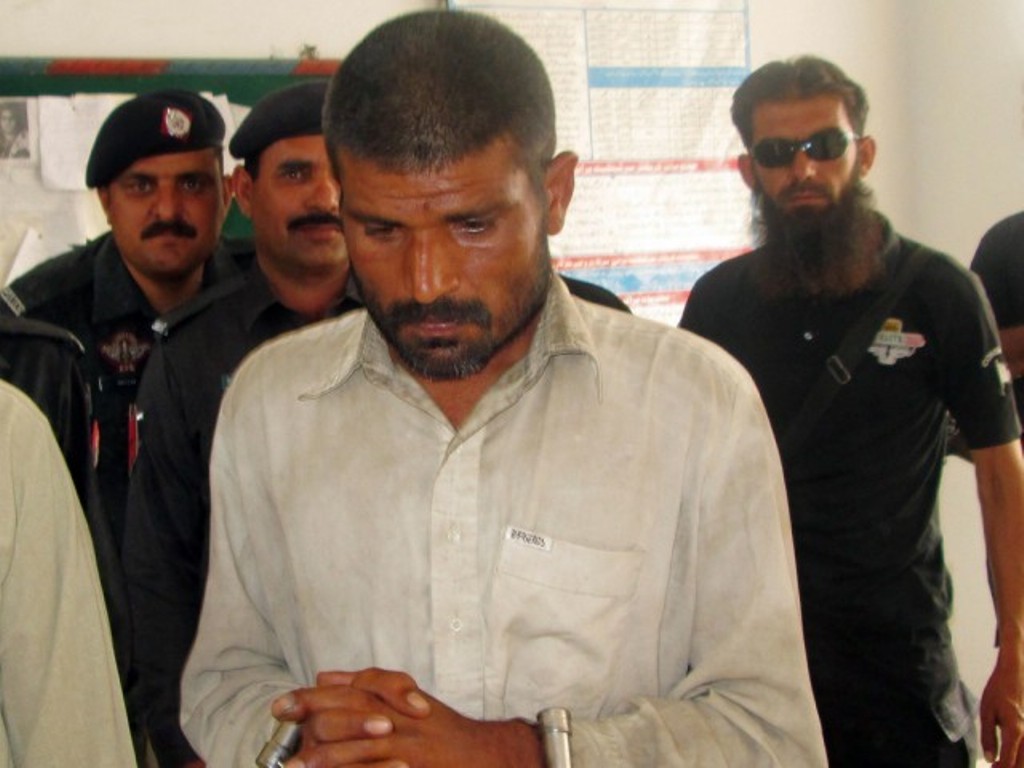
[(863, 460)]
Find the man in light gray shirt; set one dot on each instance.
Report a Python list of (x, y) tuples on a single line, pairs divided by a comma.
[(482, 497)]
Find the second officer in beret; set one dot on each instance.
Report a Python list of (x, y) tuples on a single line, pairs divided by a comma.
[(297, 273)]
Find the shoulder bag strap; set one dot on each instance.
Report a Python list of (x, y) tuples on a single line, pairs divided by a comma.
[(840, 365)]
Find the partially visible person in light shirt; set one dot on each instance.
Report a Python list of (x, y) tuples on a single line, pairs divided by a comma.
[(482, 497), (59, 689)]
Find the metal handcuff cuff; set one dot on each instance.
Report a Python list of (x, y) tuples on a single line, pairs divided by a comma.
[(554, 724)]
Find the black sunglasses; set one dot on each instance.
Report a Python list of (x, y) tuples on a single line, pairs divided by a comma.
[(829, 144)]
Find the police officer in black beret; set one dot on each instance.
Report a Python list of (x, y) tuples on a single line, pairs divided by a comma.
[(158, 170), (157, 167)]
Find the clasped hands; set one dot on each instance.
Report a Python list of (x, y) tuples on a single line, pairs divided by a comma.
[(381, 719)]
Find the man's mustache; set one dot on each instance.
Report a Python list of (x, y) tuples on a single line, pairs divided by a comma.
[(803, 187), (444, 310), (314, 220), (175, 227)]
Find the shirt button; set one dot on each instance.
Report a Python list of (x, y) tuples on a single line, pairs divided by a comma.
[(456, 625), (454, 533)]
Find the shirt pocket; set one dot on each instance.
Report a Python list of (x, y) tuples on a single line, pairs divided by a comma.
[(559, 621)]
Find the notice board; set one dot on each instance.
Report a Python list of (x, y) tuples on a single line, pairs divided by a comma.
[(643, 90)]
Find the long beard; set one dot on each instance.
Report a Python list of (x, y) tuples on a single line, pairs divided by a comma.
[(826, 253)]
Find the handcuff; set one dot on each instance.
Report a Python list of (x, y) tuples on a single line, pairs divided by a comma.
[(553, 723), (555, 726)]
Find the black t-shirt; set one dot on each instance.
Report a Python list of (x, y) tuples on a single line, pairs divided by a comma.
[(863, 487)]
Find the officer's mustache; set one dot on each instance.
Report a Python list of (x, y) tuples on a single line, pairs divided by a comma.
[(175, 227), (314, 220)]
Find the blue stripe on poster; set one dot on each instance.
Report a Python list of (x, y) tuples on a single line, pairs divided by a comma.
[(666, 77), (643, 278)]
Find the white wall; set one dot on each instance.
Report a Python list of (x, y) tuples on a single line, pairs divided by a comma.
[(192, 28), (945, 81)]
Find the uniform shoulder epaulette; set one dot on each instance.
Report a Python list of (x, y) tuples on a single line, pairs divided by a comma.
[(169, 322), (25, 327), (49, 280), (11, 303)]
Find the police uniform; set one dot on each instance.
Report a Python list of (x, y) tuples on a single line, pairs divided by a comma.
[(863, 487), (199, 346), (594, 293), (90, 292)]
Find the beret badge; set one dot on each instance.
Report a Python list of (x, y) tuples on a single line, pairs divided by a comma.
[(177, 123)]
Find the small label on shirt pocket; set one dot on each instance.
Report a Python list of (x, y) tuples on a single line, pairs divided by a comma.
[(568, 567)]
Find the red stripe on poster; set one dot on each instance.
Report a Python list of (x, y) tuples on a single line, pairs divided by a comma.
[(126, 67), (668, 165), (325, 67)]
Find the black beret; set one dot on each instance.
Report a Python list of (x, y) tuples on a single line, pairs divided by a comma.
[(157, 123), (293, 111)]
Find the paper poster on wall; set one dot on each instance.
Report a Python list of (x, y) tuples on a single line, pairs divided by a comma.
[(17, 131), (643, 90)]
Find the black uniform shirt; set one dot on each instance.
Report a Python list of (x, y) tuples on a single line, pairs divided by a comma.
[(90, 292), (199, 346)]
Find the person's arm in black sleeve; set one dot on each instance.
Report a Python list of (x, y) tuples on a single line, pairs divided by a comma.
[(999, 263), (43, 362)]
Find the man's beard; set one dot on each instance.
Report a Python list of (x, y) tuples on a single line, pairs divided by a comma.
[(828, 253), (450, 359)]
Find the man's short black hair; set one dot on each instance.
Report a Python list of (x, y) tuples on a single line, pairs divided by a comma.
[(426, 89), (801, 78)]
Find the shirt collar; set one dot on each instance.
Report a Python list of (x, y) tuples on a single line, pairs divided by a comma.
[(115, 293), (259, 297), (890, 241), (261, 301)]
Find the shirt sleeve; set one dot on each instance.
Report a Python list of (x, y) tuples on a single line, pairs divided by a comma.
[(746, 698), (999, 262), (60, 686), (975, 381), (237, 665)]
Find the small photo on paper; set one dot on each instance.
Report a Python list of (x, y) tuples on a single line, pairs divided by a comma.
[(16, 129)]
